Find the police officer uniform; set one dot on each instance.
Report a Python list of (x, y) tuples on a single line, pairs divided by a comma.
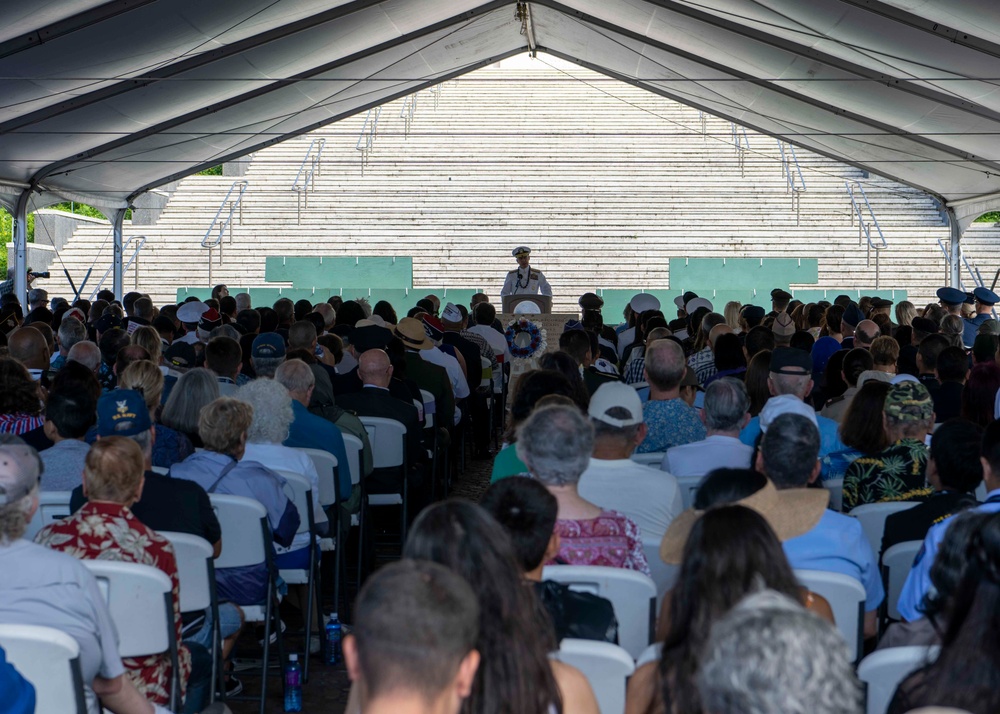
[(951, 298), (525, 281), (984, 297)]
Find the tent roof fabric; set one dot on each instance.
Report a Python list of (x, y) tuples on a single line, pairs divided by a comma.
[(102, 100)]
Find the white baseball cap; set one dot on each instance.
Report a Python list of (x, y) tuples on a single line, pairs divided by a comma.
[(785, 404), (616, 394)]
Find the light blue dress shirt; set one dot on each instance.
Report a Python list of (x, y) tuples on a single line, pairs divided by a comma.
[(918, 582), (829, 437)]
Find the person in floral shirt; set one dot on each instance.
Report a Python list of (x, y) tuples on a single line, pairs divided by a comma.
[(897, 472), (105, 529)]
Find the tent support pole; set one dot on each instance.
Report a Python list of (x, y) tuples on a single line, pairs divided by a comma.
[(119, 278), (954, 250), (21, 248)]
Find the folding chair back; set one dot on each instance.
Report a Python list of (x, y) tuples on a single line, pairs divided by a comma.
[(388, 438), (896, 564), (652, 458), (632, 594), (52, 506), (299, 491), (195, 570), (162, 470), (664, 575), (429, 402), (50, 660), (836, 488), (354, 448), (847, 600), (326, 466), (689, 488), (884, 670), (873, 515), (606, 666), (243, 521)]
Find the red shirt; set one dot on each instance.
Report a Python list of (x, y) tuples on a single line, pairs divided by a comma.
[(109, 531)]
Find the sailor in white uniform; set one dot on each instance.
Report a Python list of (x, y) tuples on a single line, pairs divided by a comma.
[(525, 280)]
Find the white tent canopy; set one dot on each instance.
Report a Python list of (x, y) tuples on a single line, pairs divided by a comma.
[(103, 100)]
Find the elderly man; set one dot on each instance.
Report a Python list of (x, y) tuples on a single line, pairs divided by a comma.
[(669, 419), (408, 607), (28, 346), (612, 480), (789, 456), (431, 377), (106, 529), (43, 587), (726, 412), (865, 333), (71, 332), (791, 376), (524, 280), (897, 472)]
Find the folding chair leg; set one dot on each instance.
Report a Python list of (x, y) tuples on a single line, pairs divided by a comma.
[(267, 646)]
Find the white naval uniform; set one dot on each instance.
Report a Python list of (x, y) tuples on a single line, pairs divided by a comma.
[(537, 284)]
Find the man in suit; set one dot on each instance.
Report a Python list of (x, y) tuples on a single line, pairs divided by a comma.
[(427, 376)]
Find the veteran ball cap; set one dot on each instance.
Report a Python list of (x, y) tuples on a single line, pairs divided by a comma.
[(925, 325), (909, 402), (985, 296), (852, 315), (210, 319), (19, 472), (790, 360), (951, 296), (433, 327), (181, 355), (521, 250), (451, 314), (106, 322), (122, 412), (268, 346)]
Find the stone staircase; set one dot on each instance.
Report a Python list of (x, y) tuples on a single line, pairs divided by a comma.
[(604, 181)]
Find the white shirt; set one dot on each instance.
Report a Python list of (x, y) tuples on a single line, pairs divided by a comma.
[(624, 340), (649, 497), (458, 382), (191, 338), (495, 339), (537, 284), (701, 457)]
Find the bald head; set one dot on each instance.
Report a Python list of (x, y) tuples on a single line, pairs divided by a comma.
[(865, 333), (28, 346), (717, 332), (374, 368), (86, 353)]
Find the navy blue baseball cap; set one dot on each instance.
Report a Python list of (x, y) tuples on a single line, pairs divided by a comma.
[(951, 296), (122, 412), (268, 346), (852, 315), (985, 296)]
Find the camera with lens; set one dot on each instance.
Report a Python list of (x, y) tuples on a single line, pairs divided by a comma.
[(40, 274)]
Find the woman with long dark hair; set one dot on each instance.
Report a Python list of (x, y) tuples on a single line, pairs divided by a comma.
[(731, 551), (515, 637)]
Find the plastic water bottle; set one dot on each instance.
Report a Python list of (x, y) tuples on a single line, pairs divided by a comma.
[(293, 685), (333, 635)]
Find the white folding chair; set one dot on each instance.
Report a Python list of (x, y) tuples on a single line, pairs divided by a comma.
[(664, 575), (162, 470), (847, 600), (388, 438), (429, 408), (650, 654), (196, 575), (836, 488), (651, 458), (52, 506), (896, 564), (50, 660), (247, 541), (329, 496), (689, 488), (873, 515), (884, 670), (606, 666), (135, 593), (299, 490), (632, 594)]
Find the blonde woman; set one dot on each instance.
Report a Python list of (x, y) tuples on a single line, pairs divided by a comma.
[(732, 315)]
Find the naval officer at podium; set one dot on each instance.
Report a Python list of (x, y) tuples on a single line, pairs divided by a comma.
[(525, 280)]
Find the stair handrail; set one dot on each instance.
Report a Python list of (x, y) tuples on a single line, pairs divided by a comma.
[(858, 209), (305, 179), (742, 143), (366, 140), (233, 204), (794, 181), (407, 111), (125, 268)]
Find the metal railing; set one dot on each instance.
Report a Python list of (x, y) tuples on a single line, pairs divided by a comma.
[(406, 113), (220, 225), (366, 141), (795, 184), (977, 277), (703, 119), (436, 94), (134, 259), (742, 144), (859, 208), (305, 179)]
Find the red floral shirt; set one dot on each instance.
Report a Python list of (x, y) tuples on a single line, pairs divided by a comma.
[(109, 531), (611, 540)]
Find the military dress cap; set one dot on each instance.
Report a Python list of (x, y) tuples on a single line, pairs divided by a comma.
[(181, 355), (521, 250), (852, 315), (644, 302), (951, 296), (190, 312), (783, 325), (753, 312), (878, 303), (970, 299), (779, 294), (925, 325), (696, 303), (985, 296), (681, 300), (591, 301)]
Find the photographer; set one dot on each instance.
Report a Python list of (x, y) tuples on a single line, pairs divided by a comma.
[(7, 286)]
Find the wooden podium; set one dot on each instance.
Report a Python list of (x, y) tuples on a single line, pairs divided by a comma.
[(544, 302)]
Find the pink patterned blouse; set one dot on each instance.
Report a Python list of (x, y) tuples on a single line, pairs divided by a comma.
[(611, 540)]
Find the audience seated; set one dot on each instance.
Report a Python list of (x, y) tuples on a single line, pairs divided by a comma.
[(897, 472), (952, 372), (528, 513), (516, 673), (836, 543), (980, 393), (964, 674), (855, 362), (862, 430), (407, 607), (767, 655), (20, 399), (69, 414), (194, 390), (170, 446), (431, 377), (647, 495), (954, 471), (725, 413), (224, 358), (669, 419), (223, 426), (725, 553), (555, 443)]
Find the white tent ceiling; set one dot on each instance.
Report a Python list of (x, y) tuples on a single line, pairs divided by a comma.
[(100, 101)]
